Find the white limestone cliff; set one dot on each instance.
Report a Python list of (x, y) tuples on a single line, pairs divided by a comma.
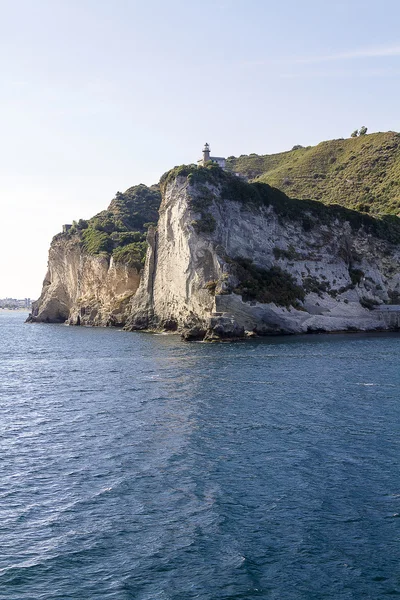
[(191, 282), (83, 289), (189, 277)]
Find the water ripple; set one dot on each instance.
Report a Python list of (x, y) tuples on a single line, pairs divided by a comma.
[(139, 467)]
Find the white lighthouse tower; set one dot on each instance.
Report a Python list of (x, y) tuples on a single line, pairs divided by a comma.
[(219, 160), (206, 153)]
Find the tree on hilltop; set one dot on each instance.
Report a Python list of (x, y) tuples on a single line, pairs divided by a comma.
[(362, 131)]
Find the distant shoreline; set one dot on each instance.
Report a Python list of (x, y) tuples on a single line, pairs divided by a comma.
[(14, 310)]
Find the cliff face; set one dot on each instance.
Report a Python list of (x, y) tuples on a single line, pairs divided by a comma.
[(212, 275), (94, 267), (229, 259), (179, 263), (84, 289)]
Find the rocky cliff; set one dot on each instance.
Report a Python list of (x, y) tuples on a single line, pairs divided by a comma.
[(229, 259), (84, 289), (94, 266)]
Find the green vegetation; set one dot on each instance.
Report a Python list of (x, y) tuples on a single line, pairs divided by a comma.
[(200, 203), (368, 303), (211, 286), (356, 275), (261, 285), (290, 254), (211, 173), (180, 171), (126, 237), (132, 255), (96, 242), (362, 172), (312, 284), (120, 230), (129, 211), (394, 297), (206, 224)]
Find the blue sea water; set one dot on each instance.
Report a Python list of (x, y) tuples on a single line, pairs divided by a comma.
[(141, 467)]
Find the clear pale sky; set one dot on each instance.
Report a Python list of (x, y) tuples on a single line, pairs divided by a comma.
[(99, 95)]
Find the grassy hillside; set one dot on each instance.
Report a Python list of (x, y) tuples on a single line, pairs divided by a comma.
[(361, 173)]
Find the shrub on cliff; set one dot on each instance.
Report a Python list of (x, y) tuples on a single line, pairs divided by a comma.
[(130, 210), (211, 173), (96, 242), (206, 223), (124, 238), (132, 255), (266, 285), (356, 275), (179, 171), (123, 224)]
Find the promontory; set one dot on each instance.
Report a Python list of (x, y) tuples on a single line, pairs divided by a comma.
[(297, 242)]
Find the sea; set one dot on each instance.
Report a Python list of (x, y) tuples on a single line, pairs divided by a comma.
[(137, 466)]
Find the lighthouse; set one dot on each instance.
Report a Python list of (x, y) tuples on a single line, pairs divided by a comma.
[(206, 153), (219, 160)]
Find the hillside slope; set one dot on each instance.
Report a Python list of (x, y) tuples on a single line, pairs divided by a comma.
[(362, 173)]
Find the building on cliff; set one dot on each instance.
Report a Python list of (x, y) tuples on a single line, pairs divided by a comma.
[(219, 160)]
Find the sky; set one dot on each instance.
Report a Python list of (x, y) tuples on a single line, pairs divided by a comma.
[(100, 95)]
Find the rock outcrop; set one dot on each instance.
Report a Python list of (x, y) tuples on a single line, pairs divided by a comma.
[(84, 289), (194, 280), (230, 259)]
